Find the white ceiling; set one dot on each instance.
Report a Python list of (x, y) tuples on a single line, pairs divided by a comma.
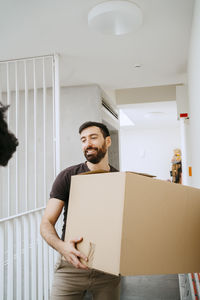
[(152, 115), (32, 28)]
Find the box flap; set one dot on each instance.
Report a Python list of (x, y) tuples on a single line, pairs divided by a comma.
[(94, 172), (143, 174)]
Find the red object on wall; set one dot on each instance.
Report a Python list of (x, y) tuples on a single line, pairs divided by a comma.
[(184, 115)]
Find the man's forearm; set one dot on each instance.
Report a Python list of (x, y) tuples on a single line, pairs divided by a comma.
[(48, 232)]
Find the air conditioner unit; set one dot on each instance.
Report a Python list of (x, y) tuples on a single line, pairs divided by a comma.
[(109, 116)]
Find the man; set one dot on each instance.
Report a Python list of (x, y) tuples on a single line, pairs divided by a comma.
[(8, 142), (72, 278)]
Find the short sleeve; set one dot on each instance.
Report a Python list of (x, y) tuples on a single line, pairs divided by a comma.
[(60, 188)]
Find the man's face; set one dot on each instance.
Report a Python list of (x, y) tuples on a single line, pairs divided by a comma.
[(94, 145)]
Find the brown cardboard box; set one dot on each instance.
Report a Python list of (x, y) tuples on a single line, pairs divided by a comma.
[(135, 225)]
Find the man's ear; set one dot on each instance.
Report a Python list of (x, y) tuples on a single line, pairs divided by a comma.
[(108, 141)]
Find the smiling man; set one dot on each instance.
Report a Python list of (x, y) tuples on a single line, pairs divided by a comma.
[(72, 279)]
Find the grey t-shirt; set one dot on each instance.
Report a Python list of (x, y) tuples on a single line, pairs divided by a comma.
[(61, 186)]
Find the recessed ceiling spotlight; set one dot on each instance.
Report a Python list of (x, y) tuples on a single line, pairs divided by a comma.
[(137, 66), (115, 17)]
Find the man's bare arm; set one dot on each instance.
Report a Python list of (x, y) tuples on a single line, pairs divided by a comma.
[(49, 219), (48, 232)]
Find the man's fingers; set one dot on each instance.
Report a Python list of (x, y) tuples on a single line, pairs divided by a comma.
[(75, 251), (76, 262), (79, 254)]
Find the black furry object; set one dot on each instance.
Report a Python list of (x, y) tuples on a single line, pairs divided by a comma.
[(8, 142)]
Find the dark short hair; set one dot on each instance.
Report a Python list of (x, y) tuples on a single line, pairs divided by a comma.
[(8, 141), (102, 127)]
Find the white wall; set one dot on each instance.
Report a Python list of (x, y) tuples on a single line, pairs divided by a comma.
[(113, 152), (194, 95), (148, 150), (146, 94), (78, 104)]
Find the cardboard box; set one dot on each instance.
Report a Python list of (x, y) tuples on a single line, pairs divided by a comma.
[(135, 225)]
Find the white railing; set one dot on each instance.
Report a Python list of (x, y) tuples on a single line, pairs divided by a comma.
[(26, 261), (31, 87)]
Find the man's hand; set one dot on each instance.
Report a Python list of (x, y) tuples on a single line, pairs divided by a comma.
[(72, 255)]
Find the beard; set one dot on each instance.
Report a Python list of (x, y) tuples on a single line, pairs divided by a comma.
[(98, 154)]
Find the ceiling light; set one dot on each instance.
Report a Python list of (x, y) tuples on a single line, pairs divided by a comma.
[(115, 17)]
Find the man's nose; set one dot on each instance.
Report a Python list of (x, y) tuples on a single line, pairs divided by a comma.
[(88, 143)]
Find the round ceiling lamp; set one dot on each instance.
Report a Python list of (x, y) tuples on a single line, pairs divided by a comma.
[(115, 17)]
